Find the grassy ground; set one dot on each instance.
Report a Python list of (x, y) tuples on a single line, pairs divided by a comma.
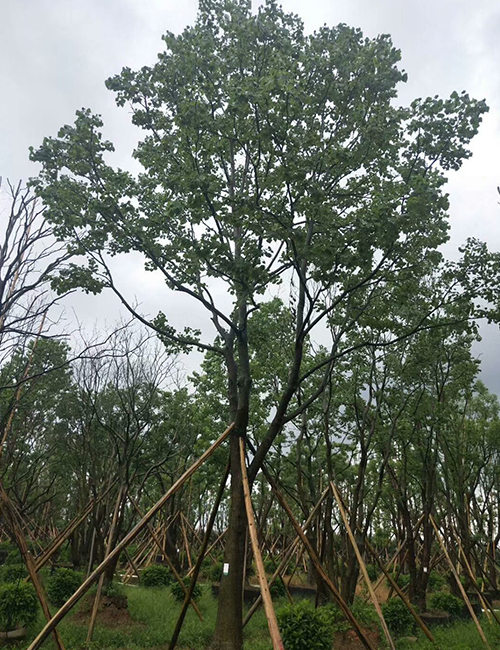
[(459, 636), (154, 613)]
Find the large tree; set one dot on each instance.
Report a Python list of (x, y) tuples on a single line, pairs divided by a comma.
[(271, 158)]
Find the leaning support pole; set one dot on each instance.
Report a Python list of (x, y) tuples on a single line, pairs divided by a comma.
[(395, 586), (317, 563), (83, 588), (460, 586), (400, 593), (286, 558), (199, 561), (109, 546), (489, 611), (362, 566), (261, 572), (11, 515)]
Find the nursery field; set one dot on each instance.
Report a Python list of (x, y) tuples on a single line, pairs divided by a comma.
[(144, 615)]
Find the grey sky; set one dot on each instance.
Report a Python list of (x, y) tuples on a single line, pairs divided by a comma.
[(56, 55)]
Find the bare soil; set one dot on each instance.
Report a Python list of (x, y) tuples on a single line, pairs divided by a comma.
[(349, 640), (112, 612)]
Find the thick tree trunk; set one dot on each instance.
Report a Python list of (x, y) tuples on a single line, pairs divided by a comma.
[(229, 627), (229, 624)]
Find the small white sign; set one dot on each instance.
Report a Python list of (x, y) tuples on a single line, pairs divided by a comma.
[(225, 568), (425, 569)]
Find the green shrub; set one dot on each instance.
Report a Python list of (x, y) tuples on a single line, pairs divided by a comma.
[(304, 628), (178, 591), (335, 618), (365, 613), (156, 575), (13, 572), (62, 584), (397, 616), (372, 571), (269, 565), (215, 572), (14, 557), (447, 603), (18, 605), (436, 581), (403, 580), (114, 589), (278, 589)]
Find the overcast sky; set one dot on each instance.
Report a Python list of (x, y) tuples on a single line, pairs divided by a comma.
[(56, 55)]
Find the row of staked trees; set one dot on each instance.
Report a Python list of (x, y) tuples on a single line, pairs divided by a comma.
[(286, 194)]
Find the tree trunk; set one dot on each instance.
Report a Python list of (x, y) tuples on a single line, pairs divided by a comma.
[(229, 623)]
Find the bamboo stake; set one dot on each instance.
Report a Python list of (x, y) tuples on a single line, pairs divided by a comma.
[(201, 555), (287, 556), (388, 565), (109, 545), (71, 602), (486, 606), (92, 550), (261, 573), (186, 544), (401, 594), (131, 562), (317, 563), (195, 534), (275, 564), (142, 549), (11, 515), (362, 566), (460, 586)]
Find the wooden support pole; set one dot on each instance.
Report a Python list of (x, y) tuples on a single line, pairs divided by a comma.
[(401, 594), (109, 546), (186, 544), (460, 586), (317, 563), (261, 573), (12, 516), (131, 562), (389, 564), (199, 561), (71, 602), (362, 566), (287, 556), (486, 606)]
